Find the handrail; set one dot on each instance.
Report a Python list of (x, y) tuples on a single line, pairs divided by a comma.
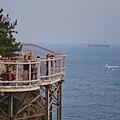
[(56, 69), (28, 44), (34, 49)]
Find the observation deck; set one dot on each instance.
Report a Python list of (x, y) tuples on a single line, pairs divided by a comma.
[(56, 69), (40, 92)]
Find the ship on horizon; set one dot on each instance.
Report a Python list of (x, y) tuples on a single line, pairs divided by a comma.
[(97, 45), (85, 43), (55, 45)]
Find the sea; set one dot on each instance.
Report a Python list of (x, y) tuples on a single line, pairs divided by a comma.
[(91, 90)]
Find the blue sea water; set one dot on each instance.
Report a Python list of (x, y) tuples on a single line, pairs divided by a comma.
[(91, 90)]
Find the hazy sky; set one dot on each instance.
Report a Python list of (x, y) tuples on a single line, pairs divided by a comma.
[(65, 21)]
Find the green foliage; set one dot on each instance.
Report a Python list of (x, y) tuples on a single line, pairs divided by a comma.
[(8, 46)]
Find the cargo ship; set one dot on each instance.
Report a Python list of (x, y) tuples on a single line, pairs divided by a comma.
[(97, 45)]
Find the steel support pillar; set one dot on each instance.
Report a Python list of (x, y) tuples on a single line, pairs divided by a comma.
[(21, 104), (59, 97), (10, 105), (60, 100), (57, 105), (47, 102), (51, 108)]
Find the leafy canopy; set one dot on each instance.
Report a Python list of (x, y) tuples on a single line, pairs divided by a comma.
[(8, 46)]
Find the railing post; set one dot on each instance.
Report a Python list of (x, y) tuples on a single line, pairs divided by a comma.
[(40, 52), (19, 71), (16, 73), (33, 53), (61, 64), (53, 66), (64, 61), (35, 50), (45, 52), (26, 50), (29, 47), (49, 69), (38, 70), (57, 65), (29, 73), (22, 51)]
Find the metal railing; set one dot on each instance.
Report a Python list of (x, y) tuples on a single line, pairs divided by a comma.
[(54, 70), (36, 50)]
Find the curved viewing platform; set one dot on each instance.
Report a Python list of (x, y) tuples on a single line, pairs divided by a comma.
[(42, 71)]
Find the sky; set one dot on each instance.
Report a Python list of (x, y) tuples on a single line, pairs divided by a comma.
[(65, 21)]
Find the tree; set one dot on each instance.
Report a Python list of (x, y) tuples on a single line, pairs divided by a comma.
[(8, 45)]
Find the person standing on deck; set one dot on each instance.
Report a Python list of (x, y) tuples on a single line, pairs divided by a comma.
[(48, 57), (7, 76), (25, 71), (35, 69), (32, 66)]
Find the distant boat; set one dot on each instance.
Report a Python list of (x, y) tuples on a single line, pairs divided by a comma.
[(54, 45), (85, 43), (97, 45)]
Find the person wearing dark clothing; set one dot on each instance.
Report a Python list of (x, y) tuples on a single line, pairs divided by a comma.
[(35, 69), (30, 58), (52, 56), (7, 75), (48, 56), (25, 71), (26, 67)]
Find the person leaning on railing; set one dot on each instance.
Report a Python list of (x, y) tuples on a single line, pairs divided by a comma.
[(25, 71), (49, 56), (52, 56)]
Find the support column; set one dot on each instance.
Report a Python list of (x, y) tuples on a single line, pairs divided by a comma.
[(60, 100), (58, 105), (47, 102), (20, 105), (59, 110), (51, 108), (10, 106)]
